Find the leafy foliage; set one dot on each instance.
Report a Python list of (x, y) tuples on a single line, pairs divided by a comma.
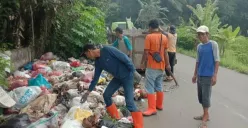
[(77, 24), (186, 37), (151, 9), (226, 36), (4, 63), (240, 49), (206, 16)]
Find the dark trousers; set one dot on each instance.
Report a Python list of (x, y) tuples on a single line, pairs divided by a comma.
[(172, 57), (127, 84)]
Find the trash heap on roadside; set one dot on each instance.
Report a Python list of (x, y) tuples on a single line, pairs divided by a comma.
[(46, 93)]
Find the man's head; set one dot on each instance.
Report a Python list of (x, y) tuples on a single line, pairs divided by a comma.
[(118, 32), (153, 25), (89, 51), (203, 33), (172, 29)]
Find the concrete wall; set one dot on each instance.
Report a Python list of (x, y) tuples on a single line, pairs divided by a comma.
[(19, 57)]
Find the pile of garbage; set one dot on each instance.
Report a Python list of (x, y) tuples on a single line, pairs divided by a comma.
[(46, 93)]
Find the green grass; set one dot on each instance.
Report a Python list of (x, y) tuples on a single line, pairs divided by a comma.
[(229, 60)]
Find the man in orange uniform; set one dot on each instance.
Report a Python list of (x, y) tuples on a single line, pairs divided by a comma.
[(156, 57)]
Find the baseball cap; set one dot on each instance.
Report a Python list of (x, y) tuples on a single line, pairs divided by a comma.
[(87, 47), (202, 29)]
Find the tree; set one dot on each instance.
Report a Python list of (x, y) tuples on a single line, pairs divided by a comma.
[(151, 9), (234, 12), (206, 16)]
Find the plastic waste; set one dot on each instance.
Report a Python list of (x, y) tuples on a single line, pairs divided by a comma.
[(39, 81), (19, 121), (24, 95)]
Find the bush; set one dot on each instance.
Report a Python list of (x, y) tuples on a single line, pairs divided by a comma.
[(75, 25), (186, 38), (4, 63), (240, 49)]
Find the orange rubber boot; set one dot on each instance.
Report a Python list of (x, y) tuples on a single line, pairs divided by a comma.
[(160, 99), (113, 112), (151, 105), (137, 119)]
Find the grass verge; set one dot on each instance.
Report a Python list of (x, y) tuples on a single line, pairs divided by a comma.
[(229, 60)]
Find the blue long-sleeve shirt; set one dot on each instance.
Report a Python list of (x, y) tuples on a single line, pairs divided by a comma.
[(113, 61)]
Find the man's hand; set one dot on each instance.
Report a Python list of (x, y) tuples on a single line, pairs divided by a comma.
[(194, 78), (84, 97), (214, 80), (168, 68)]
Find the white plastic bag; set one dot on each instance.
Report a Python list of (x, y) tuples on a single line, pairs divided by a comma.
[(50, 122), (21, 74), (24, 95), (61, 110), (73, 93), (119, 100), (76, 113), (5, 100), (72, 124), (76, 102), (60, 66)]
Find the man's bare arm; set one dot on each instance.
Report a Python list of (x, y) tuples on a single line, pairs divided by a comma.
[(196, 65), (217, 63), (166, 57), (144, 57)]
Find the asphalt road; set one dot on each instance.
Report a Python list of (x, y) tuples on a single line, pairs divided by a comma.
[(229, 100)]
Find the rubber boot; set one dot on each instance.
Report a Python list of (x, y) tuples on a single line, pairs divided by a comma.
[(113, 112), (137, 119), (151, 105), (160, 99)]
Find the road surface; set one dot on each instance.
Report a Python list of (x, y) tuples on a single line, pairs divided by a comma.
[(229, 100)]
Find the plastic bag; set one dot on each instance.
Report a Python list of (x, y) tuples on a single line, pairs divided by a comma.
[(87, 77), (46, 122), (119, 100), (55, 73), (61, 110), (39, 81), (37, 66), (20, 74), (40, 106), (19, 121), (16, 83), (83, 86), (73, 93), (76, 113), (75, 64), (24, 95), (107, 123), (38, 71), (76, 103), (44, 90), (61, 66), (77, 69), (5, 100), (28, 66), (72, 124), (125, 112), (47, 56), (77, 74)]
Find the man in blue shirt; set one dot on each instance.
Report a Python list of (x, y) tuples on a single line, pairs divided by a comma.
[(123, 44), (206, 69), (121, 67)]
